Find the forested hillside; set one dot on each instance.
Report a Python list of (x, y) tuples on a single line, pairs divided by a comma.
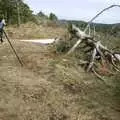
[(15, 11), (100, 27)]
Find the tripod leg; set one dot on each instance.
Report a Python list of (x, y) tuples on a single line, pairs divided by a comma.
[(1, 36), (20, 61)]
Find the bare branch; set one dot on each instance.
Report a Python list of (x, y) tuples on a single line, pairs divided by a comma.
[(98, 76), (92, 60), (99, 14), (71, 50), (115, 66)]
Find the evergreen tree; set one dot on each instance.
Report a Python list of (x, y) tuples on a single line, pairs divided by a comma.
[(42, 15), (53, 17), (15, 11)]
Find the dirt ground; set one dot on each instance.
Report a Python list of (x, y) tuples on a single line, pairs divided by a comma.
[(51, 87)]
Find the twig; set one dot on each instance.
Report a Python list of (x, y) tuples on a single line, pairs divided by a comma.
[(115, 66), (99, 76)]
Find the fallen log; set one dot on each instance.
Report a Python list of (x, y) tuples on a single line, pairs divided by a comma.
[(97, 50)]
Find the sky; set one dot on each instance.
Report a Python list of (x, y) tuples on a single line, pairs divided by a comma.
[(78, 9)]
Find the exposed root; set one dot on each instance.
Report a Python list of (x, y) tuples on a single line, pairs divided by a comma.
[(98, 76), (115, 66)]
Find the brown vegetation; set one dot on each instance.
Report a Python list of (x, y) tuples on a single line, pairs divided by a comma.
[(32, 31), (51, 86)]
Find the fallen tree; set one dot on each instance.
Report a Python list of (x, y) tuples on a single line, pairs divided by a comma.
[(98, 52)]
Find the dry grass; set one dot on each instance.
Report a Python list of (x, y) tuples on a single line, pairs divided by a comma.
[(33, 31), (52, 87)]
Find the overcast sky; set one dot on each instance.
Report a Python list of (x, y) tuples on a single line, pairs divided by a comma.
[(78, 9)]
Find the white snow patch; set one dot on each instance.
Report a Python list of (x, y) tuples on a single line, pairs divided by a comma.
[(42, 41)]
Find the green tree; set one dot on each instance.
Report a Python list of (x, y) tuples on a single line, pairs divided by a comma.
[(15, 11), (42, 15), (53, 17)]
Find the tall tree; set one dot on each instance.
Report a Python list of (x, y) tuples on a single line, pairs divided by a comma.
[(15, 11), (53, 17)]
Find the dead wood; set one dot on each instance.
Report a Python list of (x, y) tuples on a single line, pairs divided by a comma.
[(97, 50)]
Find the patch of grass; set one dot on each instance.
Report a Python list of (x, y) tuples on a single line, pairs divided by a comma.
[(34, 31)]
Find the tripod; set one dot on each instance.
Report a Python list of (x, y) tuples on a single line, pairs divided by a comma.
[(13, 49)]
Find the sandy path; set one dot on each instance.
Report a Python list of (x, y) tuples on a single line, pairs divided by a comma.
[(41, 41)]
